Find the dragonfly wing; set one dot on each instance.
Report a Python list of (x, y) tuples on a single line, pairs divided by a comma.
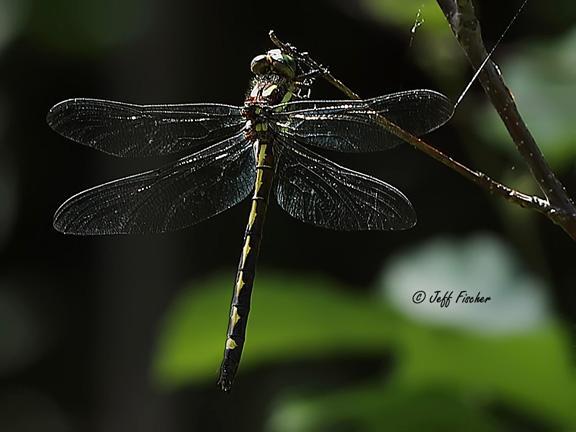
[(178, 195), (128, 130), (352, 126), (315, 190)]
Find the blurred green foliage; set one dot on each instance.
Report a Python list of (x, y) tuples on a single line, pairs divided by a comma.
[(13, 15), (373, 408), (291, 318), (482, 263), (446, 374), (96, 24), (402, 14), (22, 340), (540, 73), (430, 42), (542, 76)]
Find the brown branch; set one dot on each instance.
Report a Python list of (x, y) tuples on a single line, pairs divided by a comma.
[(560, 211), (465, 26), (479, 178)]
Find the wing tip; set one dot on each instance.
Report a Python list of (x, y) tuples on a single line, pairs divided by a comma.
[(409, 218), (61, 222), (411, 222), (55, 112), (67, 223), (407, 221), (58, 113)]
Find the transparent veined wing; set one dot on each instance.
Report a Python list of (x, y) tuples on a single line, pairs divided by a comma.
[(315, 190), (351, 126), (129, 130), (178, 195)]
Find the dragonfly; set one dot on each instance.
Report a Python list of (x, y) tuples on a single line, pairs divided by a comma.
[(226, 153)]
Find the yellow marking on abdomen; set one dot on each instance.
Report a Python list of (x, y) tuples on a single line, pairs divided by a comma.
[(259, 181), (262, 154), (246, 250), (240, 282), (231, 344), (235, 316), (253, 213)]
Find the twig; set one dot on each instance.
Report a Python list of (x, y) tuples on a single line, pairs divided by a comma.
[(305, 58), (465, 26), (479, 178)]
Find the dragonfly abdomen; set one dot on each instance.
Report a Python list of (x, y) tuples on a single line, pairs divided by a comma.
[(240, 305)]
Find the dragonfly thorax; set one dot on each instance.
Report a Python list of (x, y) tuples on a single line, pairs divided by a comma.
[(270, 89), (257, 119)]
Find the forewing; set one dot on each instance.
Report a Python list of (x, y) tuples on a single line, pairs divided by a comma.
[(181, 194), (317, 191), (128, 130), (352, 126)]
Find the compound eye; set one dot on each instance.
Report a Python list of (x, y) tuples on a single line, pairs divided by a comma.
[(260, 65), (282, 63), (275, 55)]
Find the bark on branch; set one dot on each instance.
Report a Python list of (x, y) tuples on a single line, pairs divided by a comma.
[(561, 210), (466, 27)]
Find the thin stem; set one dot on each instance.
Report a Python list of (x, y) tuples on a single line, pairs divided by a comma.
[(312, 64)]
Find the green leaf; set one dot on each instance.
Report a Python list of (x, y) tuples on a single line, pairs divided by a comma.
[(376, 408), (480, 265), (497, 348), (444, 377), (528, 369), (531, 372), (291, 318), (429, 42)]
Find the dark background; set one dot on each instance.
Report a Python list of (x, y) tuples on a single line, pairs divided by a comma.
[(81, 315)]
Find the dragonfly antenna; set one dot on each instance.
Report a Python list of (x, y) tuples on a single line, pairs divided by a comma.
[(489, 56)]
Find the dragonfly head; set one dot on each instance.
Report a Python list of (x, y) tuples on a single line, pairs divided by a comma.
[(274, 62)]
